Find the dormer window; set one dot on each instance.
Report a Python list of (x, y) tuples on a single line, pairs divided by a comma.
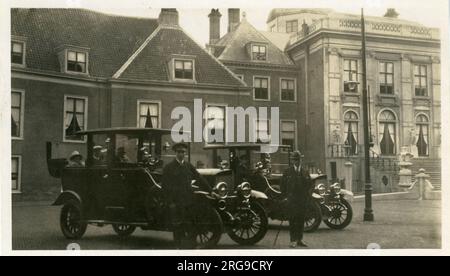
[(292, 26), (18, 53), (76, 61), (184, 69), (259, 52)]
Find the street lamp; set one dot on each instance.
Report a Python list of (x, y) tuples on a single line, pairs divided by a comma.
[(368, 212)]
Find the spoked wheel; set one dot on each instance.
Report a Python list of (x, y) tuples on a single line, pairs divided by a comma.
[(340, 216), (123, 230), (313, 217), (71, 221), (208, 227), (251, 225)]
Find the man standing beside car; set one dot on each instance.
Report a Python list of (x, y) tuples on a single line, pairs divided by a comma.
[(296, 187), (177, 188)]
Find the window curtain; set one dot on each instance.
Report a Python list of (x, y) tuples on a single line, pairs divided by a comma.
[(148, 115), (387, 142), (351, 137), (422, 140), (74, 125)]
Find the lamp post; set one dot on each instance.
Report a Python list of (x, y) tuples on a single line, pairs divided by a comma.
[(368, 212)]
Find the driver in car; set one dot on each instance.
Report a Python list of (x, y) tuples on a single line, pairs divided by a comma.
[(178, 192)]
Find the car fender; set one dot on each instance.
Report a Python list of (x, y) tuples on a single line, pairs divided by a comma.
[(316, 196), (347, 195), (66, 196), (258, 195)]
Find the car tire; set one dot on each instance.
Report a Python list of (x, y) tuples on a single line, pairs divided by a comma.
[(71, 220), (124, 230), (337, 223), (259, 223), (208, 227), (313, 217)]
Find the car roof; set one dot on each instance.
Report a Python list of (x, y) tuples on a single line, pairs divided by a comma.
[(128, 130), (249, 146)]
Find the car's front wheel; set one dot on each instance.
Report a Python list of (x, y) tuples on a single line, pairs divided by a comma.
[(123, 230), (251, 225), (71, 220), (341, 215)]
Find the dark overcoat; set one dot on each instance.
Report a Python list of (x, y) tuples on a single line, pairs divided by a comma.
[(296, 186), (176, 183)]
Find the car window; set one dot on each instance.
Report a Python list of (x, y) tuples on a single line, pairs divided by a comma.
[(126, 149), (101, 145)]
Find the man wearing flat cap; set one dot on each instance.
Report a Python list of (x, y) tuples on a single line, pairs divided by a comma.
[(177, 189), (296, 188)]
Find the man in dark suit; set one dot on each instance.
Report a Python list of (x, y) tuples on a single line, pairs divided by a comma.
[(177, 188), (296, 187)]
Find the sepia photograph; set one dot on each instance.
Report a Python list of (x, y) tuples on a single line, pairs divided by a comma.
[(174, 128)]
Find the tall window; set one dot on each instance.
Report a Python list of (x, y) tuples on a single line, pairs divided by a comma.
[(263, 130), (184, 69), (350, 75), (75, 112), (351, 132), (386, 78), (148, 115), (420, 80), (288, 90), (288, 133), (215, 121), (387, 129), (15, 173), (422, 135), (16, 114), (292, 26), (273, 28), (17, 52), (76, 61), (259, 52), (261, 88)]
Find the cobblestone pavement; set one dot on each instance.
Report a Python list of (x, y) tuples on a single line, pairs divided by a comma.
[(398, 224)]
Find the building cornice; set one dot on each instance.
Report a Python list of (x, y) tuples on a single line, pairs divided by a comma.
[(369, 37), (256, 66)]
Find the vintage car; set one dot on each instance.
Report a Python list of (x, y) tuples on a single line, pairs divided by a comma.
[(334, 202), (120, 186), (245, 220), (264, 172)]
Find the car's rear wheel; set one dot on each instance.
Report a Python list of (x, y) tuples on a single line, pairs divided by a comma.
[(71, 220), (313, 217), (251, 225), (208, 227), (123, 230)]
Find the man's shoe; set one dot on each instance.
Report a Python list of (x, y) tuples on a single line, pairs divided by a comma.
[(293, 244), (302, 244)]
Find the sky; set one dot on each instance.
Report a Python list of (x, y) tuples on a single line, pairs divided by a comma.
[(194, 14)]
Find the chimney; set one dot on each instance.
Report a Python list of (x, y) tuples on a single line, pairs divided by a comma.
[(233, 19), (168, 17), (214, 26), (391, 13)]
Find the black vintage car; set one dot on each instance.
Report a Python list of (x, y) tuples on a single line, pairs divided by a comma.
[(120, 186), (245, 218)]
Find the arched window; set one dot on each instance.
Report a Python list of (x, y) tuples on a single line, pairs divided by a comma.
[(351, 132), (386, 132), (422, 141)]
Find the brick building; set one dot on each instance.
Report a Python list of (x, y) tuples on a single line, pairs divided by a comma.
[(75, 69)]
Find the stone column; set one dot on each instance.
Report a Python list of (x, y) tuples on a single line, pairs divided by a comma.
[(348, 174), (421, 179), (405, 169)]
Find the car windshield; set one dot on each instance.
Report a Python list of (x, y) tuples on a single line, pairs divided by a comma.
[(126, 149)]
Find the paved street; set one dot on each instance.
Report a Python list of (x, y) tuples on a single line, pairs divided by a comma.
[(398, 224)]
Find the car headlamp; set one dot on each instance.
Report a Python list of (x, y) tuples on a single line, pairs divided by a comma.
[(336, 188), (245, 189), (321, 189), (221, 189)]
